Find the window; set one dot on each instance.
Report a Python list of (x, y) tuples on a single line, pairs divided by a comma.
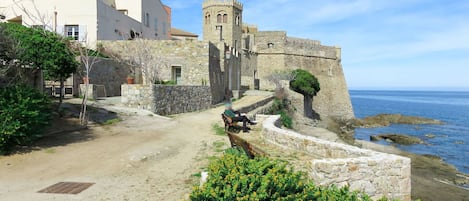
[(237, 20), (176, 74), (225, 18), (72, 31), (146, 21), (219, 18), (270, 45)]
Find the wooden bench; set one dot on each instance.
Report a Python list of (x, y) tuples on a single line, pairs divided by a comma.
[(229, 123), (240, 143)]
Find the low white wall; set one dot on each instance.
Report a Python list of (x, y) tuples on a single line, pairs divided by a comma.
[(375, 173)]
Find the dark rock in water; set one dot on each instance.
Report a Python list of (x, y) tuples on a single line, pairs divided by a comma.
[(398, 139), (375, 138), (382, 120)]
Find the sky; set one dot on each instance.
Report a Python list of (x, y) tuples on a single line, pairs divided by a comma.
[(398, 44)]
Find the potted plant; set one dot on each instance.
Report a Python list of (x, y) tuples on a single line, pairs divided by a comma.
[(130, 79)]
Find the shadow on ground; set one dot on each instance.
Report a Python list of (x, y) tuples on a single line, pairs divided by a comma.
[(65, 127)]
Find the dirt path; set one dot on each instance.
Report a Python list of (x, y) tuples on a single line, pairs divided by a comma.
[(143, 157)]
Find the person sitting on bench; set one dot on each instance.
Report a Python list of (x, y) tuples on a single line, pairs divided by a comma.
[(237, 117)]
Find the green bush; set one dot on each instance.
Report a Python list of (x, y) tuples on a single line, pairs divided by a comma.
[(236, 177), (24, 113), (281, 107)]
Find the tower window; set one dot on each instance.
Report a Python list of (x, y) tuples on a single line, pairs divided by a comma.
[(225, 18), (219, 18), (270, 45), (237, 20), (207, 18)]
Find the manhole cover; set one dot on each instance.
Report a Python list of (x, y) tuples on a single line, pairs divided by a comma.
[(66, 188)]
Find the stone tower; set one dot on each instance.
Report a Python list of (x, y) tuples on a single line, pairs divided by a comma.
[(222, 21)]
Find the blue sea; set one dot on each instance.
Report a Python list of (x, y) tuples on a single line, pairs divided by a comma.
[(450, 141)]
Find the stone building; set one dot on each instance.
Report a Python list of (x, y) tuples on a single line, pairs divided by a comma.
[(92, 20)]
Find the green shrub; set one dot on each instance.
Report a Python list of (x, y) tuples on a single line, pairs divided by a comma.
[(24, 113), (281, 107), (286, 119), (236, 177)]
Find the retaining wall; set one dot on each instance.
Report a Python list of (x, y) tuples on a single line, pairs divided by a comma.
[(375, 173), (167, 100)]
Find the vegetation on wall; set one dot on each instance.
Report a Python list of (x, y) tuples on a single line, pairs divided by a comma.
[(281, 107), (234, 176), (307, 84), (24, 113)]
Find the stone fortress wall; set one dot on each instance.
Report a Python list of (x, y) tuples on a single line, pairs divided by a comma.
[(276, 52), (375, 173)]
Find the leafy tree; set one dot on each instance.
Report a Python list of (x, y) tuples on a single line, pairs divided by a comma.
[(10, 72), (44, 50), (308, 85)]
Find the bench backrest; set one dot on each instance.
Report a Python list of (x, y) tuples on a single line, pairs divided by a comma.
[(226, 119)]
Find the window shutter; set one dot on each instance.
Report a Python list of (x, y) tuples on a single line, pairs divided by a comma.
[(82, 32)]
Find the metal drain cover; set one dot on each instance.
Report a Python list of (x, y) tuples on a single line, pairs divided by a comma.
[(66, 188)]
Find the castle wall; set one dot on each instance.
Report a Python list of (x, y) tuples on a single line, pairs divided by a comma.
[(375, 173), (249, 61), (333, 99), (277, 52)]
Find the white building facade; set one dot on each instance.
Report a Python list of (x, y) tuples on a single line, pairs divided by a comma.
[(92, 20)]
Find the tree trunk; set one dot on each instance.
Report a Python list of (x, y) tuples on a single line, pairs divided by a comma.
[(308, 106), (83, 117), (62, 84)]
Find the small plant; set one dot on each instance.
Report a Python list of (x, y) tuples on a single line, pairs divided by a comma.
[(165, 82), (281, 107), (111, 121)]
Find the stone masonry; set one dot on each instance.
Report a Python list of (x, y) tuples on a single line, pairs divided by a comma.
[(276, 52), (166, 99), (375, 173)]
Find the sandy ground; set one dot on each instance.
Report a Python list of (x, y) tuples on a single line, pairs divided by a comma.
[(142, 157)]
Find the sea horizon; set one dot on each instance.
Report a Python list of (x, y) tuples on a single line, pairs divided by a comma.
[(435, 89)]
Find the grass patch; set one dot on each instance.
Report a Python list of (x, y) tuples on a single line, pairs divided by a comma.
[(219, 146), (219, 130), (111, 121), (50, 150)]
